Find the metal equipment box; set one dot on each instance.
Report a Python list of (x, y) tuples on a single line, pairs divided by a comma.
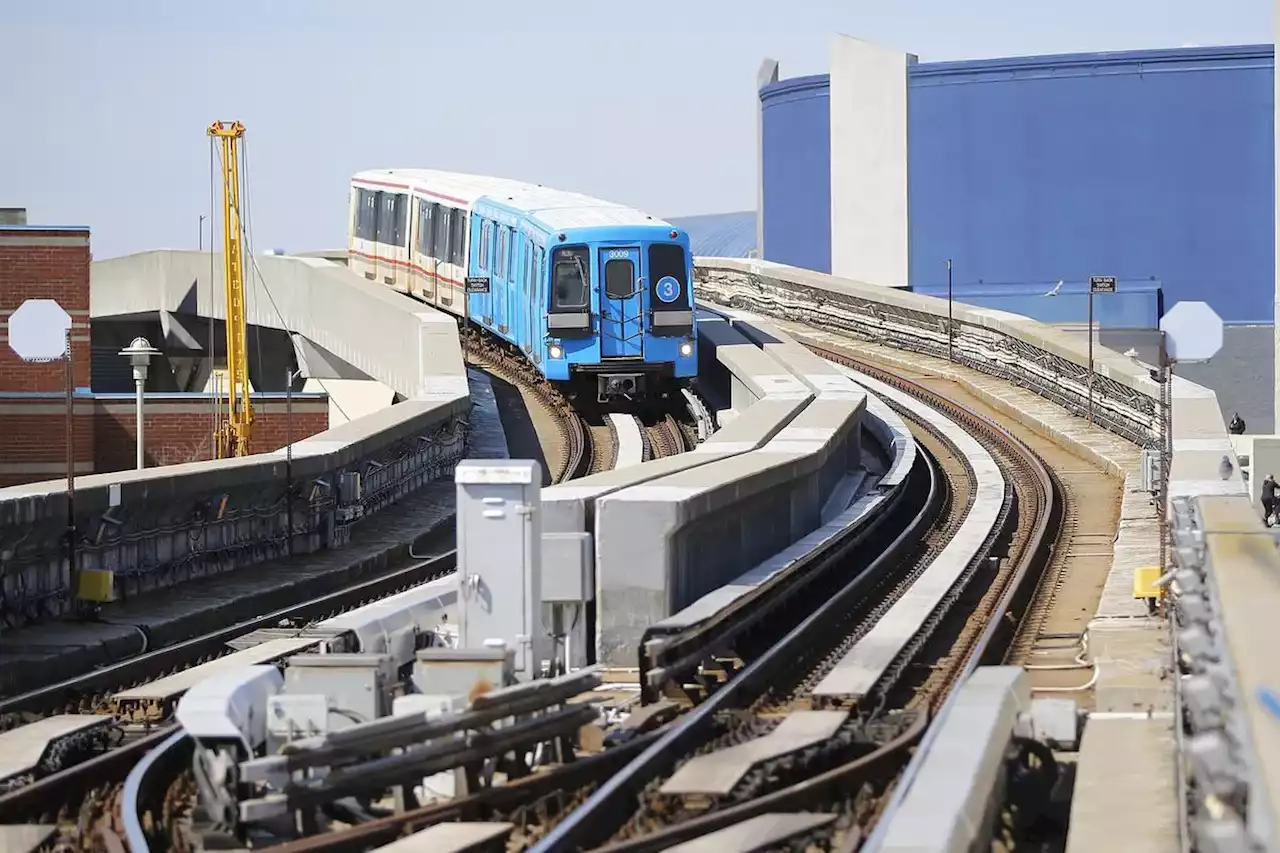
[(291, 717), (464, 673), (358, 687), (499, 548)]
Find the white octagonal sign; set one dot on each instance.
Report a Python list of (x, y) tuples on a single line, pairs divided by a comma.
[(1193, 332), (38, 330)]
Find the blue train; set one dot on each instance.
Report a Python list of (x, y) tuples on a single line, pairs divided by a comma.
[(595, 295)]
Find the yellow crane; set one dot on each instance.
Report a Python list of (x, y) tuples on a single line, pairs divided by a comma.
[(231, 435)]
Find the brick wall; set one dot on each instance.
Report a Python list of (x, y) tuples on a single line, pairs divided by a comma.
[(180, 427), (33, 437), (43, 263)]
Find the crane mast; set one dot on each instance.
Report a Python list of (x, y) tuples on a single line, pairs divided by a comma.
[(231, 436)]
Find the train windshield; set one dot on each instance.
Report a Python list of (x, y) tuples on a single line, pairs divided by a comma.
[(667, 261), (569, 279)]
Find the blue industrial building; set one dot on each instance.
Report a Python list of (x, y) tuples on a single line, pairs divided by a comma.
[(1153, 166)]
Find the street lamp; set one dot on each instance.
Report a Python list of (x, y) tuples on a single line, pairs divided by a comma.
[(139, 353)]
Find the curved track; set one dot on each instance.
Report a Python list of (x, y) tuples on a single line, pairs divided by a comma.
[(614, 798), (629, 812), (599, 800), (85, 797), (577, 451)]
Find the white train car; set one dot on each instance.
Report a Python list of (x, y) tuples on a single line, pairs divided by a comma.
[(409, 230)]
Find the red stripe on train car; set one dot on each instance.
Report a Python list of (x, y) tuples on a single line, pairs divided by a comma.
[(411, 266)]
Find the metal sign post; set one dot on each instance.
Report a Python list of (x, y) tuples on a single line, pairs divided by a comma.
[(1097, 284), (289, 375), (71, 463), (950, 336), (40, 333)]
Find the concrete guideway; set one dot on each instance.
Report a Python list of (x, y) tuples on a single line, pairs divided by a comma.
[(210, 517), (662, 544), (370, 328), (868, 659), (1014, 351)]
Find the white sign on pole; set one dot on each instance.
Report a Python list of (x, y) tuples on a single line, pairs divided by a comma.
[(1193, 332), (38, 330)]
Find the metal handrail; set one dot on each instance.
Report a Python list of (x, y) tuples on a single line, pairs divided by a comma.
[(623, 319)]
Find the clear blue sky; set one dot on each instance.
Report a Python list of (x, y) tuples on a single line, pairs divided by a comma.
[(650, 104)]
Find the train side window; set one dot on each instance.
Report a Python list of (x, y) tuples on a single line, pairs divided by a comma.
[(401, 221), (502, 252), (482, 248), (513, 265), (367, 215), (382, 222), (426, 229), (538, 278), (391, 219), (442, 217), (571, 269), (457, 237)]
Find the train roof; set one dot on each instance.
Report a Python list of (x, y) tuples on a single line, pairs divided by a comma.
[(556, 209)]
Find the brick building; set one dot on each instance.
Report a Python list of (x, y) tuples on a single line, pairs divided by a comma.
[(52, 262)]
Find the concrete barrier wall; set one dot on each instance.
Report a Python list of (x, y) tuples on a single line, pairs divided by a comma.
[(663, 544), (1050, 362), (385, 334), (569, 508), (161, 525)]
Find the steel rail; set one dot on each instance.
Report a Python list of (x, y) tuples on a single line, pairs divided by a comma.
[(848, 776), (574, 435), (71, 787), (992, 644), (666, 655), (148, 665)]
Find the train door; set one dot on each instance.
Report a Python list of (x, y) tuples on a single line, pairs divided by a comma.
[(621, 303), (520, 296), (535, 303), (498, 291)]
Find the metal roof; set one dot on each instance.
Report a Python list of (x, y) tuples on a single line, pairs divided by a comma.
[(720, 235)]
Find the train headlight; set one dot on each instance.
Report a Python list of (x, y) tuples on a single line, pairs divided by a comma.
[(555, 351), (686, 348)]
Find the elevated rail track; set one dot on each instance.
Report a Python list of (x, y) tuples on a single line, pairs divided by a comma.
[(1013, 353)]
